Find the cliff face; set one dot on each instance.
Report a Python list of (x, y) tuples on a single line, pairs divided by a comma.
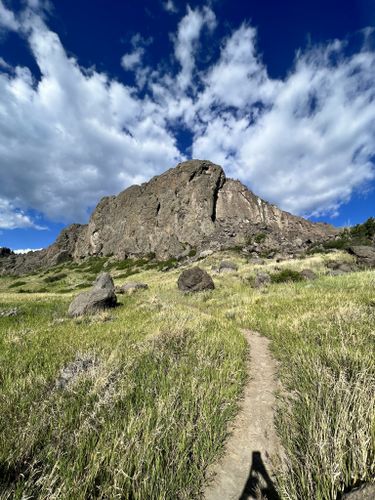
[(190, 206)]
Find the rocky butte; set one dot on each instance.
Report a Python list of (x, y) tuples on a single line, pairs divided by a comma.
[(193, 206)]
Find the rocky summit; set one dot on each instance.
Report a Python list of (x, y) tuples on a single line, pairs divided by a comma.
[(192, 207)]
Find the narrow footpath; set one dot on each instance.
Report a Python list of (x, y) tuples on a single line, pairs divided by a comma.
[(245, 470)]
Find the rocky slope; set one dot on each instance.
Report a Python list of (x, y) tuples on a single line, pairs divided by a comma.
[(190, 207)]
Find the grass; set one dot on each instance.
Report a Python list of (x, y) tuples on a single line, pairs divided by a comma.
[(153, 412)]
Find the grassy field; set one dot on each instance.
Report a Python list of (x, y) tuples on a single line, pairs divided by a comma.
[(163, 375)]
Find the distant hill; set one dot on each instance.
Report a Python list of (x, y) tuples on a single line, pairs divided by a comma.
[(189, 208)]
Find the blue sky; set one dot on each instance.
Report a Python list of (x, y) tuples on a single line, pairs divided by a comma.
[(96, 96)]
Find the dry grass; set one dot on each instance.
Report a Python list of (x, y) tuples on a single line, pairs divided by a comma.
[(152, 414)]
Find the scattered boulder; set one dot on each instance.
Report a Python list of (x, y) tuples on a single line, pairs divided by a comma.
[(132, 287), (227, 267), (307, 274), (101, 296), (261, 280), (365, 255), (195, 279)]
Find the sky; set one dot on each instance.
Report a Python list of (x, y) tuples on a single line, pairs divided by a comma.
[(98, 95)]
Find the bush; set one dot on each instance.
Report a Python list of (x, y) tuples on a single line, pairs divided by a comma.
[(286, 275), (55, 277), (17, 283)]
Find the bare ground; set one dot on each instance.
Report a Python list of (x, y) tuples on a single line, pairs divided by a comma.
[(245, 470)]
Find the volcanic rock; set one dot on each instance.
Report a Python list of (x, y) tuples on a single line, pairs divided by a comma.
[(195, 279), (365, 255)]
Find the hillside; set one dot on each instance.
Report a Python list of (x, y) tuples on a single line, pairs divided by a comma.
[(189, 208)]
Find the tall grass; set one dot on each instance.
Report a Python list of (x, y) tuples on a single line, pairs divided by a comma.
[(151, 413)]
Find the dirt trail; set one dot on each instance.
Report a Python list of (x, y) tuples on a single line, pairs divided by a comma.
[(245, 469)]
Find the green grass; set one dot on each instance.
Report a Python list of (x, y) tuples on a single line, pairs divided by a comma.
[(153, 413)]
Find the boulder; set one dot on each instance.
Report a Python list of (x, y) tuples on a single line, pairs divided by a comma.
[(261, 279), (338, 267), (132, 287), (205, 253), (227, 267), (365, 255), (101, 296), (307, 274), (195, 279), (104, 281), (256, 261)]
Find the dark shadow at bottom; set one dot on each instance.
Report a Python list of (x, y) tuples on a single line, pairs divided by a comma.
[(259, 481)]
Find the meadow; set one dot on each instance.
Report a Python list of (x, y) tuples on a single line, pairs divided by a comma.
[(135, 402)]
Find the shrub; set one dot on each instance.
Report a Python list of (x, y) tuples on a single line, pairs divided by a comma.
[(55, 277), (17, 283), (286, 275)]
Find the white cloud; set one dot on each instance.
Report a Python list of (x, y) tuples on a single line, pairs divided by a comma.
[(26, 250), (7, 18), (75, 135), (170, 6), (305, 142), (311, 143), (188, 33), (12, 217), (132, 59)]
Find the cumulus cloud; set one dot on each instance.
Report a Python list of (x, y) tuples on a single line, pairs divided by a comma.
[(188, 33), (12, 217), (7, 18), (306, 142), (311, 142)]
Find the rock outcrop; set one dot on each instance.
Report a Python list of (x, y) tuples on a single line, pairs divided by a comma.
[(190, 207)]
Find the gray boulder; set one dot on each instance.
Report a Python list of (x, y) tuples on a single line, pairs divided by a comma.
[(104, 281), (256, 261), (101, 296), (132, 287), (195, 279), (307, 274), (227, 267), (365, 255), (338, 267), (261, 280)]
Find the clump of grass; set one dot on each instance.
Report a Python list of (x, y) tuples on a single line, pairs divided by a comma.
[(17, 283), (55, 277), (286, 275)]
